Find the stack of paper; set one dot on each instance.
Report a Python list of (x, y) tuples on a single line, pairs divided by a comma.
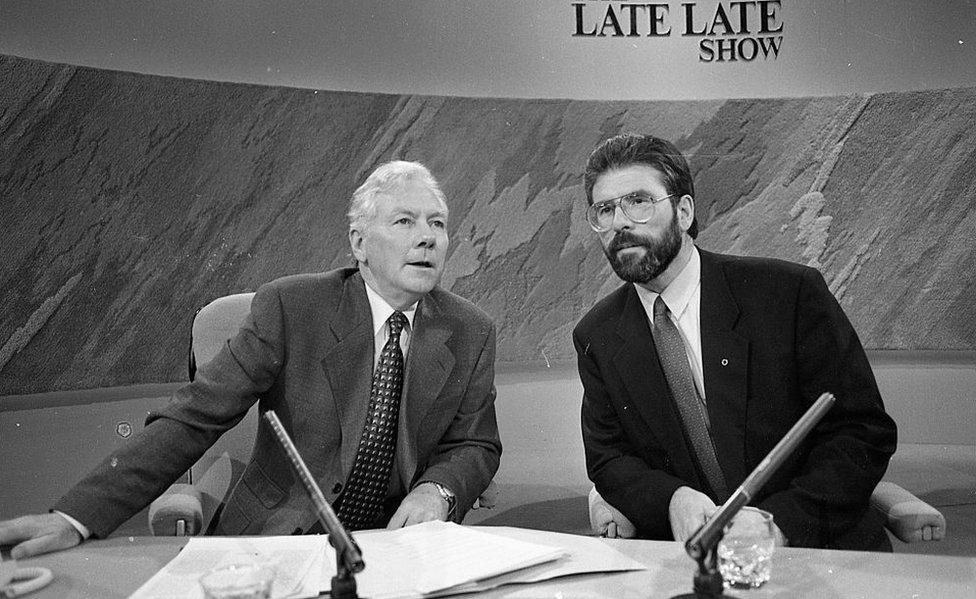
[(582, 555), (437, 557), (297, 562), (426, 560)]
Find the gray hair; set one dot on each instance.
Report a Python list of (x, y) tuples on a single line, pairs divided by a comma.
[(384, 180)]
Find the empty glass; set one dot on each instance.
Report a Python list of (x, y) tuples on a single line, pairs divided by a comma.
[(238, 581), (745, 551)]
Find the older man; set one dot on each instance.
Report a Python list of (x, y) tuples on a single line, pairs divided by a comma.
[(384, 381), (700, 363)]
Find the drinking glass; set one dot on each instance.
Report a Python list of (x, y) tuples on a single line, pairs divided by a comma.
[(238, 581), (745, 551)]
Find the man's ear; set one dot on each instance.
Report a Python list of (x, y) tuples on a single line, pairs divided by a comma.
[(356, 243), (686, 212)]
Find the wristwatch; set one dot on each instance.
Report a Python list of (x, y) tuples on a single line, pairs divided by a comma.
[(448, 496)]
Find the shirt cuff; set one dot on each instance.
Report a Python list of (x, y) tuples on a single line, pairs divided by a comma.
[(81, 528)]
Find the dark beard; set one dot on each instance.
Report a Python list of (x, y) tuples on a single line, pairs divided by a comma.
[(656, 258)]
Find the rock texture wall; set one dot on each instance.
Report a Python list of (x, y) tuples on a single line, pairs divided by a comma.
[(128, 201)]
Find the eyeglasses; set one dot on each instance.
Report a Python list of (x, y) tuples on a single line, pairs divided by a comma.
[(637, 206)]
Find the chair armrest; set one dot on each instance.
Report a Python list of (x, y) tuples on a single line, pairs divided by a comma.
[(606, 520), (488, 498), (906, 516), (177, 512)]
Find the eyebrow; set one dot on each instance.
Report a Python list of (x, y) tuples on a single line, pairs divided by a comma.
[(414, 214), (629, 193)]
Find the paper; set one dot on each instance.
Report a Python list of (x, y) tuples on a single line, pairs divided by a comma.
[(434, 556), (297, 562), (582, 555), (427, 560)]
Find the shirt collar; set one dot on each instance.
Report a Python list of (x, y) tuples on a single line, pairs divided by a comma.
[(679, 292), (382, 310)]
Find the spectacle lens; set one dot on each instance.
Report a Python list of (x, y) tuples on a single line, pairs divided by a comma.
[(637, 206)]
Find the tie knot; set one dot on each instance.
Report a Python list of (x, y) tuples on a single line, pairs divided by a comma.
[(396, 321), (660, 308)]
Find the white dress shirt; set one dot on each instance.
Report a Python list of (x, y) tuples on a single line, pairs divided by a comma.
[(382, 311)]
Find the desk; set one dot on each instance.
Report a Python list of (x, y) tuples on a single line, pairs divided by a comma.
[(117, 567)]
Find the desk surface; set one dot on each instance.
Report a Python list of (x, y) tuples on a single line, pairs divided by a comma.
[(117, 567)]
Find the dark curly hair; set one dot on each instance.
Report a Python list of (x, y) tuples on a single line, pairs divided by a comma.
[(628, 149)]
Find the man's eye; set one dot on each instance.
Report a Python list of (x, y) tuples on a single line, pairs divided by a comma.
[(438, 224), (603, 209), (637, 200), (403, 221)]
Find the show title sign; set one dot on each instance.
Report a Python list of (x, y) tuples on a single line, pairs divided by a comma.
[(729, 31)]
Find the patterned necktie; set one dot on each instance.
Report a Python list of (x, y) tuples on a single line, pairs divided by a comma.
[(674, 360), (362, 500)]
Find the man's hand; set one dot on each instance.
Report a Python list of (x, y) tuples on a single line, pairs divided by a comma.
[(36, 534), (688, 510), (423, 504)]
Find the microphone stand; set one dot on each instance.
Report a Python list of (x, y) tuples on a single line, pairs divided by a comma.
[(703, 548), (349, 558), (703, 545)]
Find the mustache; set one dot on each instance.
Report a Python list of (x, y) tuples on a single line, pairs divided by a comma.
[(627, 239)]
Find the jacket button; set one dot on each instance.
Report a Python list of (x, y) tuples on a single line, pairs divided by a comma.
[(337, 488)]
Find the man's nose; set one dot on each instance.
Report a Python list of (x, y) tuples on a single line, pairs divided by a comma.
[(426, 238), (620, 220)]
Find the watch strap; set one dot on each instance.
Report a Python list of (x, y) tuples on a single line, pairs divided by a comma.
[(447, 495)]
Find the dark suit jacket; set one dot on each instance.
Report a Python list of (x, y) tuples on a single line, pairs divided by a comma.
[(306, 351), (773, 339)]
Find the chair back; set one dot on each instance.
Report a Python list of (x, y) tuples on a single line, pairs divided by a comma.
[(214, 325), (218, 470)]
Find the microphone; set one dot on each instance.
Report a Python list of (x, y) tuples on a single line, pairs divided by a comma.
[(707, 536), (349, 558)]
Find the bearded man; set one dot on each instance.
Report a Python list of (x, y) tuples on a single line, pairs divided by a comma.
[(700, 363)]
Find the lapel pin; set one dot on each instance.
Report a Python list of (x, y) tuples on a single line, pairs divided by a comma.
[(725, 361)]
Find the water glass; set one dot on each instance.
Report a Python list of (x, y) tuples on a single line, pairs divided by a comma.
[(238, 581), (745, 551)]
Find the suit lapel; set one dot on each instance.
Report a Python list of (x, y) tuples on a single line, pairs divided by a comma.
[(429, 362), (348, 365), (725, 363), (638, 366)]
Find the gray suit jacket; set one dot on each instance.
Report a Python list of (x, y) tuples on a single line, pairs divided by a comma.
[(306, 351)]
